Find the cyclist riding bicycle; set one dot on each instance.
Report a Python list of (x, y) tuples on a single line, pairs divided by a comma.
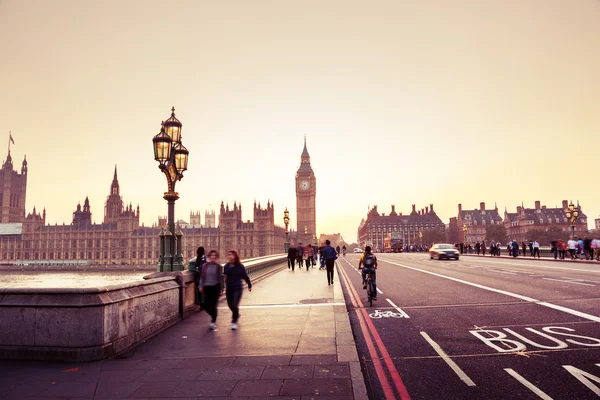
[(368, 262)]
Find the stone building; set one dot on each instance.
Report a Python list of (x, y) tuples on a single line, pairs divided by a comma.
[(13, 191), (476, 221), (541, 217), (120, 239), (374, 229)]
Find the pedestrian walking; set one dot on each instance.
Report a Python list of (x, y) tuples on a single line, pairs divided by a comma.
[(291, 259), (483, 248), (329, 255), (235, 274), (587, 248), (515, 248), (299, 254), (572, 244), (195, 265), (536, 248), (596, 247), (308, 255), (211, 286)]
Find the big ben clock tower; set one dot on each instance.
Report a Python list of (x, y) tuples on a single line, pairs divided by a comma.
[(306, 193)]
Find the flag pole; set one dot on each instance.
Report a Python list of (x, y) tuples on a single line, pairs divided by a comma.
[(9, 136)]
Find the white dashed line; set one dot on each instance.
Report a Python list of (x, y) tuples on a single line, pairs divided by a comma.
[(566, 281), (401, 311), (528, 384)]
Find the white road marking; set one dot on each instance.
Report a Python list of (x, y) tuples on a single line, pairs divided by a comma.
[(504, 292), (567, 281), (579, 280), (379, 291), (457, 370), (288, 305), (401, 311), (541, 266), (527, 384)]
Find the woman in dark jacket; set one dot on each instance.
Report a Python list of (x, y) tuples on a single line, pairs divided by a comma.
[(235, 274), (200, 261), (211, 286)]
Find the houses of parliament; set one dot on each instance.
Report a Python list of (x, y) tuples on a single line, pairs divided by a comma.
[(120, 239)]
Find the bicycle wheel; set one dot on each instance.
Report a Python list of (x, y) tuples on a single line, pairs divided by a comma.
[(370, 292)]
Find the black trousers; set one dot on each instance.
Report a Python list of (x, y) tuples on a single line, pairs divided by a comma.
[(211, 299), (198, 297), (307, 261), (233, 301), (330, 263), (291, 263), (536, 252)]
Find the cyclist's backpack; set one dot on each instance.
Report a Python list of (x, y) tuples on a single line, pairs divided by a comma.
[(369, 260)]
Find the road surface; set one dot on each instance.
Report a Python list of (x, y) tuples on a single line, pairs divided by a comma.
[(478, 328)]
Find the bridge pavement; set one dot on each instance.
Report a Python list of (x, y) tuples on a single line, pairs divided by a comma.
[(294, 342)]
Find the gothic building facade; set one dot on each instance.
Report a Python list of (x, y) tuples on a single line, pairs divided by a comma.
[(306, 195), (120, 239)]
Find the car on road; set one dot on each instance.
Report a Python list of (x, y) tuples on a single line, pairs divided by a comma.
[(357, 250), (443, 250)]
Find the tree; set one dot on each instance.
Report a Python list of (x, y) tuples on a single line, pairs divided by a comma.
[(434, 235), (497, 233)]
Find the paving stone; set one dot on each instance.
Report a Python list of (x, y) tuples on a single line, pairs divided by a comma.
[(154, 389), (347, 353), (288, 372), (317, 387), (332, 371), (116, 390), (327, 398), (121, 376), (319, 359), (203, 389), (70, 389), (171, 375), (119, 365), (232, 373), (206, 362), (160, 363), (262, 360), (262, 387)]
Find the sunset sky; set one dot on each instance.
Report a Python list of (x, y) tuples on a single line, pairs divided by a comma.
[(402, 102)]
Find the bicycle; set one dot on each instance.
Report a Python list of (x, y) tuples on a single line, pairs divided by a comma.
[(370, 289)]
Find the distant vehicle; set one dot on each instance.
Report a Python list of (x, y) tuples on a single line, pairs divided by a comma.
[(393, 243), (442, 250), (357, 250)]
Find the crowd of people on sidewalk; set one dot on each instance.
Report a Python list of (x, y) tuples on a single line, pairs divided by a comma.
[(307, 255), (573, 249)]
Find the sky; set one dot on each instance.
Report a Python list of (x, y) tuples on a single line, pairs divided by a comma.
[(402, 102)]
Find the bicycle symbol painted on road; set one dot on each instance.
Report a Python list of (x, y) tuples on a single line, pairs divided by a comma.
[(385, 314)]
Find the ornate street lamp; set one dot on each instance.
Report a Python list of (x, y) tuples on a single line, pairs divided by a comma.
[(172, 157), (572, 213), (465, 229), (286, 221)]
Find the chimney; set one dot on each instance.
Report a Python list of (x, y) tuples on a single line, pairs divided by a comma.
[(393, 208), (426, 210), (538, 205), (565, 204), (431, 207), (519, 209), (543, 207), (482, 206), (460, 208), (414, 208)]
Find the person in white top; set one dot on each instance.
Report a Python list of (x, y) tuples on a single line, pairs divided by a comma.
[(536, 249), (572, 244)]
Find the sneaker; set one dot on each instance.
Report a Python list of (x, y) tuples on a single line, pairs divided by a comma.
[(213, 327), (234, 326)]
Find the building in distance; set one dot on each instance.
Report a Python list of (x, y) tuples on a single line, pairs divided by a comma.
[(472, 224)]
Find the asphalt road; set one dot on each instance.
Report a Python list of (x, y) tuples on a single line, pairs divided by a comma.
[(478, 328)]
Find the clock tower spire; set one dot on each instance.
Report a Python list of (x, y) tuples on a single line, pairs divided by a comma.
[(306, 192)]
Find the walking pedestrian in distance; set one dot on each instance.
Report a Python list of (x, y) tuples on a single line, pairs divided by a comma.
[(515, 248), (536, 248), (337, 249), (299, 255), (198, 264), (211, 286), (235, 273), (292, 255), (315, 255), (308, 255), (596, 247), (330, 255)]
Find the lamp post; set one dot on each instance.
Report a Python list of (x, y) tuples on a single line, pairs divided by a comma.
[(572, 214), (286, 221), (172, 157), (465, 229), (305, 234), (421, 237)]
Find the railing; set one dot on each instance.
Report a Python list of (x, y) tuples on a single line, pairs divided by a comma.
[(257, 266), (545, 252)]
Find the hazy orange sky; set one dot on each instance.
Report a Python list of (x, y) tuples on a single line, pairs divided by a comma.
[(402, 102)]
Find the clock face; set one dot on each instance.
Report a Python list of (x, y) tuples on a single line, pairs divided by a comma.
[(304, 185)]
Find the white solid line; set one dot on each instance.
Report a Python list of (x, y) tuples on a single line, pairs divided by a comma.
[(401, 311), (461, 374), (504, 292), (578, 280), (528, 384), (289, 305), (379, 291), (541, 266), (565, 281)]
